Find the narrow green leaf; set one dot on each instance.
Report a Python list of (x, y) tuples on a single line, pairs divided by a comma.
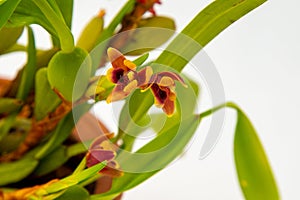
[(203, 28), (6, 9), (140, 60), (28, 13), (45, 98), (58, 157), (17, 170), (52, 161), (74, 192), (8, 105), (28, 74), (66, 8), (254, 172), (75, 179)]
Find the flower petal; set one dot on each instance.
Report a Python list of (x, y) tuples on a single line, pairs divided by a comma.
[(116, 58), (144, 76), (96, 156), (118, 93), (160, 95), (169, 107), (129, 64), (130, 86), (171, 75), (99, 140)]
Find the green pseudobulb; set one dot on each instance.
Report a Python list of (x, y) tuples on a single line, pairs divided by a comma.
[(69, 73)]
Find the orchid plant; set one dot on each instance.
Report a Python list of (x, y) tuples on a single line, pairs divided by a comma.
[(52, 147)]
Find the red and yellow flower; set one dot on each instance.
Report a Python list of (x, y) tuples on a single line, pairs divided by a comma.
[(123, 73)]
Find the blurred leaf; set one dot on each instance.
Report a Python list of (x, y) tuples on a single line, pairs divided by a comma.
[(140, 60), (2, 1), (11, 141), (91, 32), (6, 124), (146, 39), (45, 98), (203, 28), (58, 157), (254, 172), (9, 37), (75, 179), (52, 161), (74, 192), (28, 74), (6, 9), (66, 8), (62, 131), (28, 13), (17, 170), (8, 105)]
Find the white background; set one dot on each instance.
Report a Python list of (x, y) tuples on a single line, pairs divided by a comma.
[(257, 58)]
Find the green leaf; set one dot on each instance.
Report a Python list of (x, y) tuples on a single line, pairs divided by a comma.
[(17, 170), (2, 1), (28, 74), (62, 131), (6, 9), (6, 124), (168, 145), (203, 28), (8, 105), (151, 33), (28, 13), (66, 8), (140, 60), (52, 161), (91, 32), (74, 179), (45, 98), (9, 37), (74, 192), (254, 172), (58, 157)]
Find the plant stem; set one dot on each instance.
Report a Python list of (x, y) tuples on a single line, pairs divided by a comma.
[(64, 33), (215, 109)]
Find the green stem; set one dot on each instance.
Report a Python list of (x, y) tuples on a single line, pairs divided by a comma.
[(64, 33), (215, 109)]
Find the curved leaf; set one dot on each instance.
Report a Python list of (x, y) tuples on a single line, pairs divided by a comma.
[(203, 28), (8, 105), (74, 192), (27, 80), (6, 9), (254, 172), (17, 170), (45, 98)]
